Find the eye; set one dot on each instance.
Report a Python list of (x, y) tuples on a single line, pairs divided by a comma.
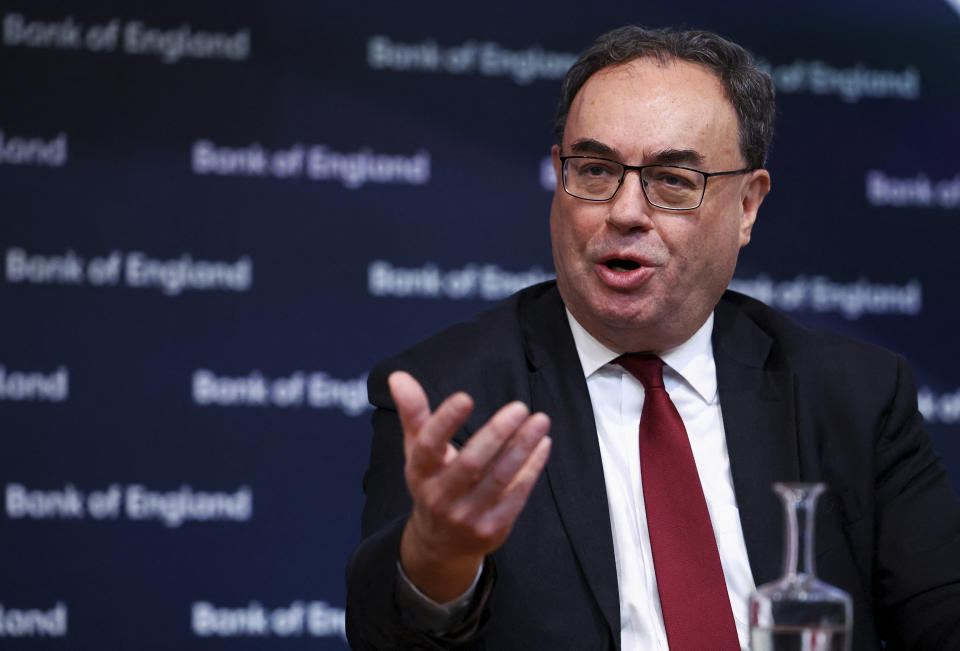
[(591, 168), (595, 170), (674, 179)]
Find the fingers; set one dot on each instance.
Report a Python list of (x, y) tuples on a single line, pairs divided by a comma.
[(411, 401), (494, 454), (515, 496), (493, 502), (435, 558), (426, 436), (483, 504), (465, 501), (471, 464), (506, 469), (491, 477), (483, 517), (444, 423)]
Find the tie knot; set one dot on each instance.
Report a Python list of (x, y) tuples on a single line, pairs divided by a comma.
[(645, 367)]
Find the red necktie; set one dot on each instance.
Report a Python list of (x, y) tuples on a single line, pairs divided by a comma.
[(693, 594)]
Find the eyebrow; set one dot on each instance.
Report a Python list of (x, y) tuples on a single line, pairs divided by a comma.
[(589, 146), (675, 157)]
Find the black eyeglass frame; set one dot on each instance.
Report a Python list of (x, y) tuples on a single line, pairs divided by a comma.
[(640, 168)]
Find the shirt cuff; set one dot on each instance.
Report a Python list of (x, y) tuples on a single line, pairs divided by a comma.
[(427, 614)]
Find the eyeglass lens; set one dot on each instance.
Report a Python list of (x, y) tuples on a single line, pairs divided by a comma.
[(597, 179)]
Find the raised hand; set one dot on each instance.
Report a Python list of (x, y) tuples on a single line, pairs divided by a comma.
[(465, 501)]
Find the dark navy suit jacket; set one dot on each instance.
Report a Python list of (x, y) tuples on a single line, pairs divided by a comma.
[(797, 405)]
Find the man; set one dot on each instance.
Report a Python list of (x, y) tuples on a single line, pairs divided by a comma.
[(473, 539)]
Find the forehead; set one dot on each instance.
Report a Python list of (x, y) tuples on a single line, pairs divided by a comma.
[(643, 107)]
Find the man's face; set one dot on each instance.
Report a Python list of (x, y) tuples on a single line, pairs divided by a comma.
[(637, 277)]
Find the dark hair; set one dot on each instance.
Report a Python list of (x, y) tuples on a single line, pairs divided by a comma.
[(748, 89)]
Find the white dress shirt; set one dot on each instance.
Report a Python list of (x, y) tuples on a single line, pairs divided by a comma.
[(690, 378)]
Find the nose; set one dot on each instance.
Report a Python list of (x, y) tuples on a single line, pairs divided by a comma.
[(629, 209)]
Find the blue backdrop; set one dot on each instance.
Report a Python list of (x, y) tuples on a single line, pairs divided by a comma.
[(217, 217)]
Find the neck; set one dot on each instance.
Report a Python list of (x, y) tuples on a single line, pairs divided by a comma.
[(639, 339)]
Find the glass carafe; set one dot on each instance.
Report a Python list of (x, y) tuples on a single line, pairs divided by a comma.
[(799, 612)]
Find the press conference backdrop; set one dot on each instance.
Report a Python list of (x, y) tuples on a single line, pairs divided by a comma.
[(217, 217)]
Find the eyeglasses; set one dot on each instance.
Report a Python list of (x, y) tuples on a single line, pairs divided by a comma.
[(670, 187)]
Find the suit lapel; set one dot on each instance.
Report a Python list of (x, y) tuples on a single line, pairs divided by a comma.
[(756, 398), (574, 471)]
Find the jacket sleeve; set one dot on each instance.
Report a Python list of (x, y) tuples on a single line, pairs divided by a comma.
[(917, 574), (374, 620)]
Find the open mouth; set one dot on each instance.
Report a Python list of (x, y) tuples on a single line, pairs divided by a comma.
[(616, 264)]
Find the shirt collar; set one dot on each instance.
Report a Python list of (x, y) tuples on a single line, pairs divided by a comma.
[(692, 360)]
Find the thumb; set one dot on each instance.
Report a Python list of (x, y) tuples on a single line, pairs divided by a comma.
[(411, 400)]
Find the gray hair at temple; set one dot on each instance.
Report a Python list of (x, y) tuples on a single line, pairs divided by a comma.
[(748, 89)]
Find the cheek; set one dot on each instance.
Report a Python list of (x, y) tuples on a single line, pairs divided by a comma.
[(571, 235), (698, 252), (719, 251)]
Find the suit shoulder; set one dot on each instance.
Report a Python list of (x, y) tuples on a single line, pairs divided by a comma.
[(803, 346), (486, 349)]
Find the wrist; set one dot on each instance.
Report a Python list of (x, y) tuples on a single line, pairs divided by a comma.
[(437, 573)]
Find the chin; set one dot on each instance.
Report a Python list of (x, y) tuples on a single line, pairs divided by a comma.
[(621, 320), (624, 310)]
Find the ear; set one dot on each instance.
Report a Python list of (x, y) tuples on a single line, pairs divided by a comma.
[(555, 154), (754, 190)]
